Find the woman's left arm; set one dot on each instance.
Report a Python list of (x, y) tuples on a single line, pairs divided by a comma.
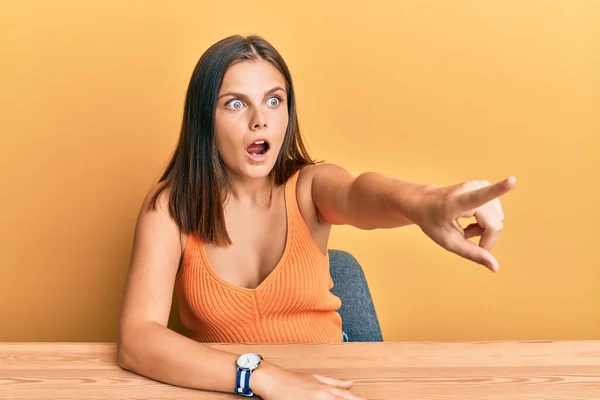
[(373, 200)]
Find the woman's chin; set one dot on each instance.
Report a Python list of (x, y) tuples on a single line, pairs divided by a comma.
[(256, 171)]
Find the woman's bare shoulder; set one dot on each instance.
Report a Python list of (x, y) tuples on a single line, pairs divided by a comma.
[(304, 195), (158, 203), (308, 173)]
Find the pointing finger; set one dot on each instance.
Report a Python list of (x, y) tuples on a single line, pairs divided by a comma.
[(479, 197)]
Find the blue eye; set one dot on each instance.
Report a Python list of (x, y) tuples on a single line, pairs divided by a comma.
[(235, 104), (276, 103)]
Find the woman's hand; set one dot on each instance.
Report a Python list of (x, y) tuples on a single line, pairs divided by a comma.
[(440, 208), (275, 383)]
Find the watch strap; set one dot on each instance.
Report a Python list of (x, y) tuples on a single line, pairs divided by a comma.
[(242, 382)]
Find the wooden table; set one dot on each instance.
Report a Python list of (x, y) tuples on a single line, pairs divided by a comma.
[(549, 370)]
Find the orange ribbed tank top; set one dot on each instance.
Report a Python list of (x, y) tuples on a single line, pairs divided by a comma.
[(293, 304)]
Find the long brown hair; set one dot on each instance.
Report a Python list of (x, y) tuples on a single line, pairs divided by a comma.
[(196, 174)]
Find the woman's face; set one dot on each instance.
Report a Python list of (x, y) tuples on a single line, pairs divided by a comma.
[(251, 117)]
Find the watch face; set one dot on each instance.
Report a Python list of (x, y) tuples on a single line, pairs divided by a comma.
[(248, 360)]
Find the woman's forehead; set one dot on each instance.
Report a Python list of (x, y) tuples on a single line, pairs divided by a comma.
[(252, 76)]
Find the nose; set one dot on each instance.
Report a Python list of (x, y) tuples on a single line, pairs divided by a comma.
[(258, 120)]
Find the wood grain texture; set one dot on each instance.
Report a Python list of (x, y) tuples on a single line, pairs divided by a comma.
[(548, 370)]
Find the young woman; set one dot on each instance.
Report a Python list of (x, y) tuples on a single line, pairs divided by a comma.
[(238, 226)]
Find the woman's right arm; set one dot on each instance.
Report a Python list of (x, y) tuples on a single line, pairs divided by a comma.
[(147, 347)]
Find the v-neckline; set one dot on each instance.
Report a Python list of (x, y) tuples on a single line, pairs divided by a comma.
[(277, 267)]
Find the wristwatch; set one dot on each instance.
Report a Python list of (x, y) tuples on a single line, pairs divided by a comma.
[(246, 363)]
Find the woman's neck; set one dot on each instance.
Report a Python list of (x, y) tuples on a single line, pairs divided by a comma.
[(250, 192)]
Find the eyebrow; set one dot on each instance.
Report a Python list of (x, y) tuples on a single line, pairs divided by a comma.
[(268, 92)]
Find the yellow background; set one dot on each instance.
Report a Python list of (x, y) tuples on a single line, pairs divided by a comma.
[(91, 98)]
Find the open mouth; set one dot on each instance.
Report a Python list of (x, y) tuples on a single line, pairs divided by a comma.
[(258, 148)]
